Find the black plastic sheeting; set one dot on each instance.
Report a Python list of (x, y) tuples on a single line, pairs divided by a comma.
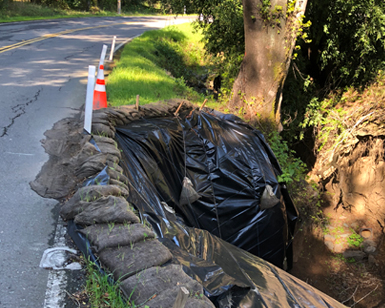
[(240, 203), (230, 166)]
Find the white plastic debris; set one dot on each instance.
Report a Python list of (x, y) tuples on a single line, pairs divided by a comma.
[(56, 258)]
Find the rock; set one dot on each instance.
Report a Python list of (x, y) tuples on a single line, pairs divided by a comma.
[(126, 261), (355, 254), (372, 260), (329, 245), (104, 236), (345, 236), (369, 247), (329, 237), (339, 247)]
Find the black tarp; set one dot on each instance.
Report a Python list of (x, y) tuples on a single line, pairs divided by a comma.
[(234, 172)]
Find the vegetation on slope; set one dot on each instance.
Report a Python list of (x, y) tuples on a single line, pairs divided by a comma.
[(158, 65), (22, 11)]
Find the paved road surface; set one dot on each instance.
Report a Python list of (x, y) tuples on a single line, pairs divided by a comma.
[(41, 83)]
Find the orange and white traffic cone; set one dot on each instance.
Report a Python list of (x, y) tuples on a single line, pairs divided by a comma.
[(100, 95)]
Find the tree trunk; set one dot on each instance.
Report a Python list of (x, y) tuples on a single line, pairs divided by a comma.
[(269, 42)]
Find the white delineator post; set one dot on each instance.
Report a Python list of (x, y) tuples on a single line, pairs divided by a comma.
[(102, 56), (89, 98), (112, 48)]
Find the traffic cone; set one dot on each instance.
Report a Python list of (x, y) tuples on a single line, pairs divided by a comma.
[(100, 96)]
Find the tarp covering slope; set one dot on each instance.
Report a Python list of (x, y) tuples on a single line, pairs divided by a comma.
[(234, 198)]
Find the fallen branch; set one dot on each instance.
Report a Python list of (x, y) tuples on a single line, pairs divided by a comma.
[(352, 296), (73, 298), (362, 298)]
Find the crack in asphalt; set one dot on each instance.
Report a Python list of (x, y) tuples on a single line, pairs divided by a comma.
[(71, 108), (19, 109), (80, 52)]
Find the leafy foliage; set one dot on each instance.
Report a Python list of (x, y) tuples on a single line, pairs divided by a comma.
[(349, 35), (293, 169), (222, 29), (355, 240)]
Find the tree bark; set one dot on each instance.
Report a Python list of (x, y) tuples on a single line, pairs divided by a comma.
[(270, 37)]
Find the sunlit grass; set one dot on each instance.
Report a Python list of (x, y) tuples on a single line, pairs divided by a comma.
[(101, 292), (143, 68), (25, 11)]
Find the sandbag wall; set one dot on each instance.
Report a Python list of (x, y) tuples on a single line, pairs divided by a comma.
[(89, 165), (152, 263)]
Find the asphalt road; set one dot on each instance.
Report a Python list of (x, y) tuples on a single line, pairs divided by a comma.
[(42, 80)]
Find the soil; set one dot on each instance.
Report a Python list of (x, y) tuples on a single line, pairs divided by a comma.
[(354, 283)]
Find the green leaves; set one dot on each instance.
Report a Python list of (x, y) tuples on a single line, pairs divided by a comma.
[(349, 34), (293, 169)]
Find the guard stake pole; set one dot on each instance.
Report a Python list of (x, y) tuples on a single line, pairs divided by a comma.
[(89, 99), (112, 48), (137, 102), (102, 56), (204, 103), (177, 111)]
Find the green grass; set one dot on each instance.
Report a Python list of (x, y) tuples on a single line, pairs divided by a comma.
[(157, 66), (100, 292), (24, 11)]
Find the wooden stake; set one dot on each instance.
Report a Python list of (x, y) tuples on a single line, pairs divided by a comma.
[(177, 111), (181, 298), (137, 102), (204, 103)]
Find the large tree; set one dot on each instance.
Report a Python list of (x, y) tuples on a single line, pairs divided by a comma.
[(271, 28)]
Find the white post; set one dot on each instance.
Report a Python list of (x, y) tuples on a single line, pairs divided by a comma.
[(103, 55), (112, 48), (89, 99)]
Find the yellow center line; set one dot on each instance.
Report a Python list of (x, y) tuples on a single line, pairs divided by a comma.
[(47, 36)]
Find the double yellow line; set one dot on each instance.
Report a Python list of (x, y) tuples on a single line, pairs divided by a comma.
[(47, 36)]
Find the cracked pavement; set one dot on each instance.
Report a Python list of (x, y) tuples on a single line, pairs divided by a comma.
[(40, 84), (19, 110)]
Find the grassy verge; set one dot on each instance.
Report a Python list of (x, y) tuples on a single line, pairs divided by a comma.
[(100, 292), (24, 11), (159, 65)]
